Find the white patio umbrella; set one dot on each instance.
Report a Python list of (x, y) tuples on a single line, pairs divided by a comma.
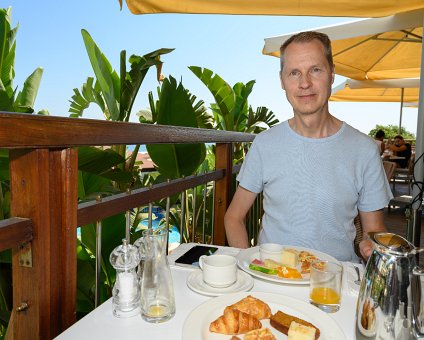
[(393, 90), (382, 48)]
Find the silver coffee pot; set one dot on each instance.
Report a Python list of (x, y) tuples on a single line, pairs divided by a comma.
[(391, 300)]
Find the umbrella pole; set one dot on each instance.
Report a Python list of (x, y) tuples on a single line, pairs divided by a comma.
[(414, 228), (401, 109)]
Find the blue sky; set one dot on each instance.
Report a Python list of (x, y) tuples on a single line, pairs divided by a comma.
[(49, 36)]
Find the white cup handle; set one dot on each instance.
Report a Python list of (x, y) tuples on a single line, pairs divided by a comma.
[(201, 261)]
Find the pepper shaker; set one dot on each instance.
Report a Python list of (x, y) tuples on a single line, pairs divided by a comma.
[(126, 291)]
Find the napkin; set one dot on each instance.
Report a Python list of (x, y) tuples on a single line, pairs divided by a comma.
[(349, 277)]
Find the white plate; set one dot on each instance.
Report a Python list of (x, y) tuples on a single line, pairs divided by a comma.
[(246, 256), (195, 282), (196, 326)]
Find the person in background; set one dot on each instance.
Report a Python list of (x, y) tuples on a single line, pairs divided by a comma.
[(379, 139), (401, 149), (315, 171)]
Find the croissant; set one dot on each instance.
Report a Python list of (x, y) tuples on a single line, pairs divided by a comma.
[(234, 322), (252, 306), (259, 334)]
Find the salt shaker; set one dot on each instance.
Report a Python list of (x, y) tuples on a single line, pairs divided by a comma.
[(126, 291)]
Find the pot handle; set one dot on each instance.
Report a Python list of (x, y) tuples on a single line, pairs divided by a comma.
[(418, 271), (417, 303), (418, 250)]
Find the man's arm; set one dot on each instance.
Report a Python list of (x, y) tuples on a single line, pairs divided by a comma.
[(235, 227), (371, 221), (382, 148), (398, 148)]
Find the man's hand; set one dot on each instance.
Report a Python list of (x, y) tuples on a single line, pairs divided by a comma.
[(366, 247)]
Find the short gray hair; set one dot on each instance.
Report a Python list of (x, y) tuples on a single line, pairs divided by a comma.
[(308, 36)]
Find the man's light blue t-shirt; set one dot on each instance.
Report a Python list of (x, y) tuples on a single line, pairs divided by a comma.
[(313, 188)]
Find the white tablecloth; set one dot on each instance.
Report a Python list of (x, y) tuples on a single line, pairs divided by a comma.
[(101, 324)]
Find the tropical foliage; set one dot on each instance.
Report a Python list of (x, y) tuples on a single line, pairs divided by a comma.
[(11, 101), (103, 172), (231, 109), (114, 94), (391, 131), (24, 100), (107, 171)]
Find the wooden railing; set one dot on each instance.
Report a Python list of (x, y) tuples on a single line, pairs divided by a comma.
[(43, 181)]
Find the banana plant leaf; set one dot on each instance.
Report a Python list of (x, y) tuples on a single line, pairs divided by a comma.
[(4, 317), (240, 110), (7, 50), (113, 231), (4, 164), (260, 119), (131, 82), (6, 302), (26, 98), (176, 160), (89, 94), (222, 92), (101, 162), (204, 118), (6, 100), (108, 79), (85, 279)]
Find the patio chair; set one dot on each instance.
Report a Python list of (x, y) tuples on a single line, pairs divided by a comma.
[(401, 175), (389, 169), (404, 175)]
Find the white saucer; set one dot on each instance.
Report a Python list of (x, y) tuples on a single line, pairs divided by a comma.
[(195, 282)]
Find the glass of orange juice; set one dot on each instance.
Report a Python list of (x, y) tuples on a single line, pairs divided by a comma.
[(326, 285)]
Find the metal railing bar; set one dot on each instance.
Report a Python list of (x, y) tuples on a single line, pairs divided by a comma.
[(183, 214), (204, 213), (168, 207), (213, 211), (98, 258), (194, 219)]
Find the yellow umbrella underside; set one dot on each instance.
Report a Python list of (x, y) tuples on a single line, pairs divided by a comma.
[(343, 8), (387, 55), (375, 95)]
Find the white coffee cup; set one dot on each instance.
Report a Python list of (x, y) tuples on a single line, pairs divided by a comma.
[(218, 270), (272, 251)]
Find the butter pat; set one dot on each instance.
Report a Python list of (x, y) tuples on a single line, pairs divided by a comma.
[(290, 258), (300, 332)]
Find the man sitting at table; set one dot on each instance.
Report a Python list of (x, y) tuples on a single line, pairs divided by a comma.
[(401, 149), (316, 172)]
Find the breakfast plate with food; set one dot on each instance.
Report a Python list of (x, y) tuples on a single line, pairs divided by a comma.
[(259, 315), (290, 265)]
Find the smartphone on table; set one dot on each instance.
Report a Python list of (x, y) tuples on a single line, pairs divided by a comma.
[(191, 256)]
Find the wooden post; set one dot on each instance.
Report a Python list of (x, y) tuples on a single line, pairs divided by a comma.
[(224, 160), (44, 189)]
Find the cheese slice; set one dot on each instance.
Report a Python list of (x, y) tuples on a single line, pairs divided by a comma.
[(300, 332), (290, 258)]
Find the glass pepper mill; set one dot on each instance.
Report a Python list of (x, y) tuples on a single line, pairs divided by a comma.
[(126, 291)]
